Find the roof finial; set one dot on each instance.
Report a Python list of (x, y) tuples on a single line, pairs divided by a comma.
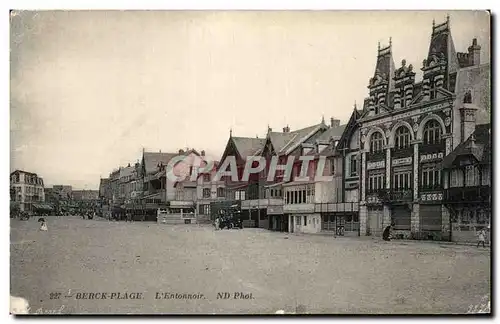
[(323, 119), (390, 41), (379, 46), (231, 132), (143, 149), (433, 23), (355, 106), (448, 19)]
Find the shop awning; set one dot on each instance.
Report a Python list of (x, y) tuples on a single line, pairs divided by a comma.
[(42, 207)]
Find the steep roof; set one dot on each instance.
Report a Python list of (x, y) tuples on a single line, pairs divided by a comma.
[(332, 133), (285, 143), (126, 171), (248, 146), (384, 68), (477, 145), (152, 159)]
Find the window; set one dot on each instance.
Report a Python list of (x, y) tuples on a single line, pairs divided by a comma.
[(376, 142), (206, 177), (471, 176), (401, 180), (466, 216), (305, 220), (431, 177), (402, 137), (432, 132), (288, 198), (433, 89), (457, 178), (297, 220), (206, 193), (239, 195), (204, 210), (376, 181), (353, 166), (485, 176), (332, 167), (221, 192)]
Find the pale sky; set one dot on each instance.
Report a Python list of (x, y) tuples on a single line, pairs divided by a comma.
[(90, 89)]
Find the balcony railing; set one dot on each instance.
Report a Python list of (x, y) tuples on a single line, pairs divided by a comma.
[(401, 195), (430, 188), (402, 152), (432, 148), (379, 155), (377, 196), (468, 194)]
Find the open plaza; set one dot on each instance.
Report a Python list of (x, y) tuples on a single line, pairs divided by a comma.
[(103, 267)]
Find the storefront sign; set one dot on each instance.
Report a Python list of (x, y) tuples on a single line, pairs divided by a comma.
[(430, 157), (375, 165), (402, 161)]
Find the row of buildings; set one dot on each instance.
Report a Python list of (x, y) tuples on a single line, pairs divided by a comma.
[(28, 194), (416, 155)]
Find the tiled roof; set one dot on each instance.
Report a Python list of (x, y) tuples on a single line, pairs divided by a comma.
[(295, 138), (279, 140), (480, 147), (248, 146), (332, 132), (126, 171), (152, 159)]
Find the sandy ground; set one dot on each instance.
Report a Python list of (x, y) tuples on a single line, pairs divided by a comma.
[(294, 273)]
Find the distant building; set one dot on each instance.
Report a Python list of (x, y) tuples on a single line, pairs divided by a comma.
[(85, 195), (64, 191), (27, 190)]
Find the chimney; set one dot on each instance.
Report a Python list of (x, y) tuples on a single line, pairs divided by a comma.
[(334, 122), (286, 129), (468, 121), (474, 53), (202, 152)]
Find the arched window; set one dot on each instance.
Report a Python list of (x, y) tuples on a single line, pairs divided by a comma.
[(402, 137), (376, 142), (432, 132)]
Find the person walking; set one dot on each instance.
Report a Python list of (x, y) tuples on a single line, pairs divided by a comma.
[(43, 226), (481, 237), (386, 236), (217, 221)]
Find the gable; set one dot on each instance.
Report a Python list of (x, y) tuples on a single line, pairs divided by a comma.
[(350, 128), (229, 151)]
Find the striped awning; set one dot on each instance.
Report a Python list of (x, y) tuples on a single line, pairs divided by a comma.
[(42, 207)]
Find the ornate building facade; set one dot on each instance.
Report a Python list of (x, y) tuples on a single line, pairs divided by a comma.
[(407, 128)]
